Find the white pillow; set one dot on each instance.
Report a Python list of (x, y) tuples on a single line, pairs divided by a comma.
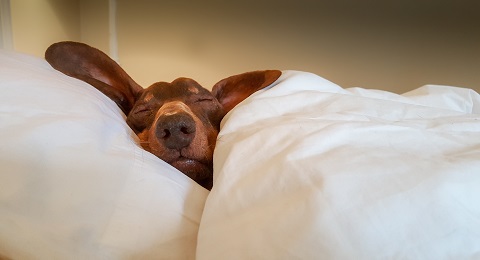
[(308, 170), (74, 183)]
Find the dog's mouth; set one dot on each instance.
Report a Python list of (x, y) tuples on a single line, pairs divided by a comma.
[(193, 168), (194, 163)]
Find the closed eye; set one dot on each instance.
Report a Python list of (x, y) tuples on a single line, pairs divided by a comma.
[(143, 110), (204, 99)]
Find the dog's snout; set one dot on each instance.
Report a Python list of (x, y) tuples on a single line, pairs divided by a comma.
[(176, 131)]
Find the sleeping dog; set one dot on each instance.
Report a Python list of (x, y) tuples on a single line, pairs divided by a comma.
[(178, 121)]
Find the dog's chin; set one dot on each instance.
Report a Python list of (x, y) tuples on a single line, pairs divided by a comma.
[(196, 170)]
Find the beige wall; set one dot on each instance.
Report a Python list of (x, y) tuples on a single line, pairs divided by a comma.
[(393, 45), (38, 23), (94, 23)]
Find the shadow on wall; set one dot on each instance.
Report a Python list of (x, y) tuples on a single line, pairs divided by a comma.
[(397, 45), (36, 24), (63, 12)]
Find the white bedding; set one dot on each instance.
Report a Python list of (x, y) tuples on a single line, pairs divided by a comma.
[(74, 184), (303, 170), (308, 170)]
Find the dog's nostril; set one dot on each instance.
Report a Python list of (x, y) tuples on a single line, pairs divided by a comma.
[(185, 130), (188, 128)]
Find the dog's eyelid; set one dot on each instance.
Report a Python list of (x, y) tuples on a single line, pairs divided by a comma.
[(142, 109), (204, 98)]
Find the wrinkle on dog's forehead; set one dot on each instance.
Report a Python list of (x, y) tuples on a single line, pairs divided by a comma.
[(164, 90)]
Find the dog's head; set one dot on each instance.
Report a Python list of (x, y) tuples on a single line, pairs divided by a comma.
[(178, 121)]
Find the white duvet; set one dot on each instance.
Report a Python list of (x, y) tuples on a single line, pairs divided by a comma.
[(308, 170), (303, 170)]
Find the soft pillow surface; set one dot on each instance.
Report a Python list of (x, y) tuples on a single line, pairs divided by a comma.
[(74, 183), (309, 170)]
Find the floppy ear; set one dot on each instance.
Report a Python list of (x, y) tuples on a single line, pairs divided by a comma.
[(235, 89), (91, 65)]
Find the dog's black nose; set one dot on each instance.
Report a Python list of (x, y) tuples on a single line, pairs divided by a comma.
[(176, 131)]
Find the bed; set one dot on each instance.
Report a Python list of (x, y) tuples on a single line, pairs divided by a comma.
[(304, 169)]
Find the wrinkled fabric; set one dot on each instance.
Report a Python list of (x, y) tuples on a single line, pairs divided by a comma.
[(309, 170), (75, 184)]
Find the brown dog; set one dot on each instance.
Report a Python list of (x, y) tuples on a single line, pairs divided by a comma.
[(178, 121)]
